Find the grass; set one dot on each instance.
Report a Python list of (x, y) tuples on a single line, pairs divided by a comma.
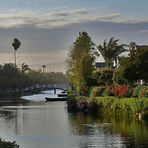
[(127, 104)]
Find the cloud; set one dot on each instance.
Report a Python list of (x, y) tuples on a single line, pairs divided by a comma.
[(59, 18), (51, 19), (142, 31)]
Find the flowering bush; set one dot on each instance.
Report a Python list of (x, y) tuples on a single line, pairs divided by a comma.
[(115, 89), (141, 91), (119, 90), (122, 91)]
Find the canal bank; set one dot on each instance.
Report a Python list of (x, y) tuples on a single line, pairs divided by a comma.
[(137, 107)]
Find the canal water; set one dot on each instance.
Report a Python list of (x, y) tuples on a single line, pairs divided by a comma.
[(40, 124)]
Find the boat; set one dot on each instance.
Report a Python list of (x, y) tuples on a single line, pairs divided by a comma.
[(62, 95), (56, 99)]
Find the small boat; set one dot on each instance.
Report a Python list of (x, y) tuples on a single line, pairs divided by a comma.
[(56, 99), (62, 95), (64, 92)]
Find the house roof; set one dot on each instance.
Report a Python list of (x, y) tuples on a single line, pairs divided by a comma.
[(100, 64)]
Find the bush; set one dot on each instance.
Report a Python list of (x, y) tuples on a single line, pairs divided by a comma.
[(82, 103), (93, 106), (97, 91), (141, 91), (107, 91), (71, 101), (115, 89), (8, 144), (121, 90), (71, 104), (145, 115), (130, 90)]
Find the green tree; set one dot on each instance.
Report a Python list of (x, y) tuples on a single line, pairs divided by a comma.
[(103, 76), (134, 67), (80, 62), (111, 51), (16, 44)]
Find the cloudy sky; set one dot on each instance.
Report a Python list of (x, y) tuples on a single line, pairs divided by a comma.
[(47, 28)]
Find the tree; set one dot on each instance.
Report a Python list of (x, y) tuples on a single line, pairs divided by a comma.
[(134, 67), (24, 67), (103, 76), (80, 61), (16, 44), (110, 51), (43, 67)]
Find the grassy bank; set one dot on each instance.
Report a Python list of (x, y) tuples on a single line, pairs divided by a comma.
[(127, 104), (135, 106)]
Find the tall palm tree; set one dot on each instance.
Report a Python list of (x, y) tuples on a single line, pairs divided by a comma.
[(16, 44), (111, 50)]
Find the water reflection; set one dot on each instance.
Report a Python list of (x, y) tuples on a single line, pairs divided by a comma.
[(105, 130), (48, 125)]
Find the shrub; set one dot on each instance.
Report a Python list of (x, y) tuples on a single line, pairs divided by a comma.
[(71, 101), (123, 91), (8, 144), (82, 103), (93, 106), (141, 91), (103, 76), (136, 90), (97, 91), (130, 90), (145, 115), (107, 91), (115, 89)]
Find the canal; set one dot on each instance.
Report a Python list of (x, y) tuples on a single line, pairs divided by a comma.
[(40, 124)]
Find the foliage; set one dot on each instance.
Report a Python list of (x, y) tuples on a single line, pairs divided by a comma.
[(141, 91), (134, 67), (16, 43), (13, 79), (117, 79), (80, 62), (8, 144), (111, 50), (82, 104), (103, 76), (107, 91), (145, 115), (113, 103), (24, 67), (97, 91)]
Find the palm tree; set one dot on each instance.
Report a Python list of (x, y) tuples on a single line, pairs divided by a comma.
[(43, 66), (16, 44), (111, 51), (24, 67)]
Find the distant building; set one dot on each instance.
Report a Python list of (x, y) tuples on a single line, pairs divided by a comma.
[(99, 64)]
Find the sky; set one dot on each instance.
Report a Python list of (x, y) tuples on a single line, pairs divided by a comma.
[(47, 28)]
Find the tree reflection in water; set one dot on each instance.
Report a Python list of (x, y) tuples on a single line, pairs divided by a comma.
[(109, 129), (7, 115)]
